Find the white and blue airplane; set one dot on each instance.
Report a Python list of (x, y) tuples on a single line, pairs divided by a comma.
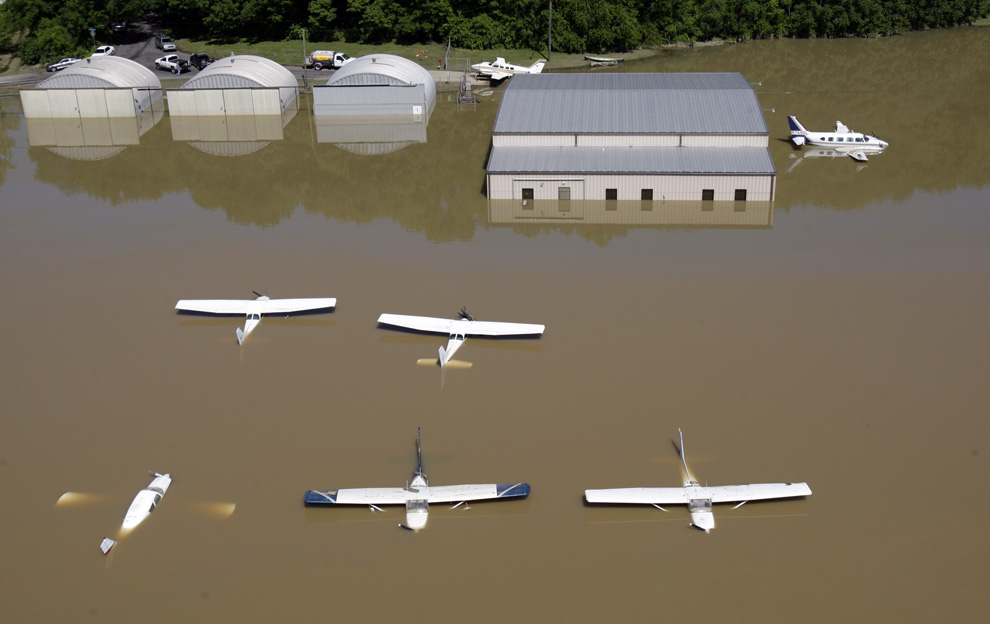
[(699, 498), (856, 145), (500, 69), (459, 329), (254, 309), (417, 494)]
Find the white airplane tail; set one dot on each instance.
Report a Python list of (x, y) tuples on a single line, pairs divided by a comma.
[(443, 356), (687, 471), (240, 336), (798, 132), (537, 67)]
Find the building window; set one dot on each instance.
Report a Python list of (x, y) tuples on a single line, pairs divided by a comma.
[(611, 194), (708, 195), (646, 195), (527, 193), (740, 194), (564, 193)]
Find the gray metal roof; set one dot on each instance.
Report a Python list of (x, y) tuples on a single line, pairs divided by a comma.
[(631, 160), (97, 72), (700, 103), (243, 70)]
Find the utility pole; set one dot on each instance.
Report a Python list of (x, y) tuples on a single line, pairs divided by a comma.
[(550, 32)]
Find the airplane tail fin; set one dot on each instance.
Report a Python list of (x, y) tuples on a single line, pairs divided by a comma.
[(443, 356), (687, 471), (240, 335), (419, 451), (798, 132), (537, 67)]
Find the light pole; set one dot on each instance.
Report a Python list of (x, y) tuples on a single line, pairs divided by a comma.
[(550, 32)]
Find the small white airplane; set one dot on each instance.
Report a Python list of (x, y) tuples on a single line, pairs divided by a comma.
[(698, 498), (417, 495), (254, 309), (141, 507), (500, 69), (459, 329), (853, 144)]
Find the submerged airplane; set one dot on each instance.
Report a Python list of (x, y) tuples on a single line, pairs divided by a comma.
[(698, 498), (853, 144), (459, 329), (254, 309), (500, 69), (417, 495), (141, 507)]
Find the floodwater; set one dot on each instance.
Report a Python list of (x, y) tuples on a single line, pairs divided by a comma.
[(843, 342)]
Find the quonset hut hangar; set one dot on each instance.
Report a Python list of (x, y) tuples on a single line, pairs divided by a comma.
[(236, 85), (375, 104), (99, 87), (645, 137)]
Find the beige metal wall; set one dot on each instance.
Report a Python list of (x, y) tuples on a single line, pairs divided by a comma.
[(629, 187), (630, 140), (223, 102), (78, 103)]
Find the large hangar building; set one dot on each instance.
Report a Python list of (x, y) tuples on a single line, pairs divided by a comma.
[(99, 87), (643, 137), (236, 86)]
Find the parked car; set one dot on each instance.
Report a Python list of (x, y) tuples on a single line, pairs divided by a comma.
[(57, 65), (105, 51), (118, 26), (164, 43), (200, 60), (172, 63)]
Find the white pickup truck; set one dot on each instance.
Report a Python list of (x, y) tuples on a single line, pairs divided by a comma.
[(326, 59), (172, 63)]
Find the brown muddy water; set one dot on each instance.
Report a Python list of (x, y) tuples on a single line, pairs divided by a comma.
[(841, 341)]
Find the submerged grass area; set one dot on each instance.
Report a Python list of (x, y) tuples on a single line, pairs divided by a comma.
[(427, 55)]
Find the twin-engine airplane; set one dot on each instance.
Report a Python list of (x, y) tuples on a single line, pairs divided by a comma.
[(417, 495), (254, 309), (853, 144), (698, 498), (459, 329), (501, 69)]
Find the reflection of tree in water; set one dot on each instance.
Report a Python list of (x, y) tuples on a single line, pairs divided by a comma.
[(8, 123)]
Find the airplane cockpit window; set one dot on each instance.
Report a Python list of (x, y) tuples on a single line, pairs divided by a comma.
[(417, 505)]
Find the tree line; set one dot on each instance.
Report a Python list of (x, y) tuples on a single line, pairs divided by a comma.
[(39, 30)]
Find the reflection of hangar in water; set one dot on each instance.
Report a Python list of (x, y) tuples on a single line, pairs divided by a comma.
[(667, 214), (643, 137), (236, 86), (89, 139), (231, 135), (375, 104), (370, 135), (101, 87)]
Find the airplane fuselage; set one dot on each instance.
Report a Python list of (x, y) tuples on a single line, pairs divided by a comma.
[(842, 138)]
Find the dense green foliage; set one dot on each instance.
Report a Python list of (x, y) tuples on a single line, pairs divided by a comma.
[(53, 28)]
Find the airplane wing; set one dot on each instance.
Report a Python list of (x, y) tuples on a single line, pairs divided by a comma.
[(638, 496), (418, 323), (468, 328), (496, 75), (497, 328), (214, 306), (756, 491), (358, 496), (285, 306), (459, 493)]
